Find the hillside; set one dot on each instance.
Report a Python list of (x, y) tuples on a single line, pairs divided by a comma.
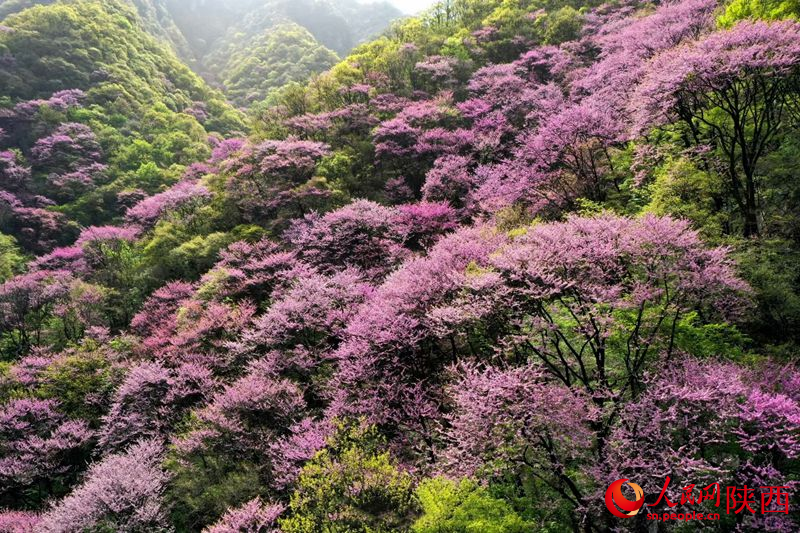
[(508, 267), (248, 47), (133, 114)]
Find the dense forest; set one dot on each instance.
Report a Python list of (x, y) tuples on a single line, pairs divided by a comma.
[(496, 258), (246, 48)]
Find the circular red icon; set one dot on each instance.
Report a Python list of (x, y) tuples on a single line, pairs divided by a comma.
[(616, 501)]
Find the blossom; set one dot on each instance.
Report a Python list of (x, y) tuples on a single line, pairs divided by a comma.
[(123, 491)]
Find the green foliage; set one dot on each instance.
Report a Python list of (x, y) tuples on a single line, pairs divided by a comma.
[(283, 54), (758, 9), (349, 172), (14, 6), (770, 266), (781, 189), (185, 249), (563, 25), (464, 507), (200, 493), (11, 259), (709, 340), (47, 59), (82, 381), (683, 190), (121, 275), (351, 486), (197, 255)]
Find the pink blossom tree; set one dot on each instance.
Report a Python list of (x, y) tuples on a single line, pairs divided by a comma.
[(361, 235), (257, 271), (734, 90), (157, 320), (273, 177), (16, 177), (610, 288), (26, 303), (423, 223), (70, 157), (517, 419), (122, 492), (39, 446), (180, 200), (627, 41), (708, 422), (394, 347), (246, 416), (151, 400), (252, 517), (18, 521)]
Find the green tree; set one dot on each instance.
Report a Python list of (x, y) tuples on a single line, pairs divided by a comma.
[(758, 9), (464, 507), (351, 486), (11, 259)]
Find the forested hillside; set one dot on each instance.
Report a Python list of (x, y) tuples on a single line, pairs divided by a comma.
[(492, 262), (248, 47)]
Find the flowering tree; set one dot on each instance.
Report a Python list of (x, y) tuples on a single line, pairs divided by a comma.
[(627, 43), (395, 345), (18, 521), (421, 224), (308, 321), (246, 415), (122, 492), (231, 450), (15, 177), (436, 72), (274, 176), (362, 235), (709, 422), (70, 146), (259, 272), (399, 139), (156, 321), (59, 101), (38, 445), (516, 419), (571, 151), (151, 401), (196, 331), (734, 90), (451, 180), (608, 292), (37, 229), (71, 159), (70, 185), (181, 199), (26, 302), (252, 517)]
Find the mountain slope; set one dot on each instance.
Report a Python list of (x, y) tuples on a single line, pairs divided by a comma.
[(249, 70), (148, 113), (213, 36), (486, 265), (222, 33)]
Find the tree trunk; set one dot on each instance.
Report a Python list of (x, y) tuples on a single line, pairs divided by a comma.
[(750, 207), (751, 222)]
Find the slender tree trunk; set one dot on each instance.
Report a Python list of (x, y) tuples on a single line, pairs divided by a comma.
[(751, 210)]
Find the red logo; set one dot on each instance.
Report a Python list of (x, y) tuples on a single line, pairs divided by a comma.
[(616, 501)]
